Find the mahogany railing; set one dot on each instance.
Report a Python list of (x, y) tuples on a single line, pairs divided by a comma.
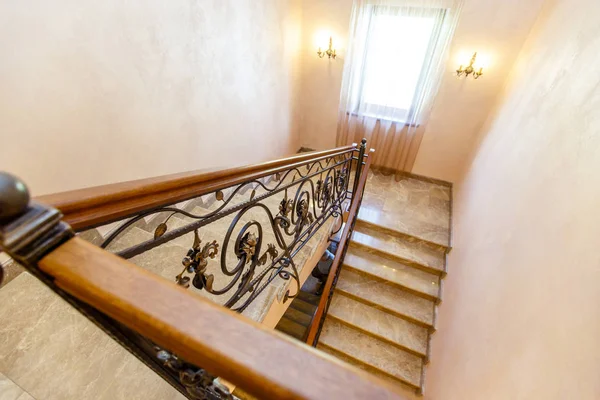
[(95, 206), (184, 337)]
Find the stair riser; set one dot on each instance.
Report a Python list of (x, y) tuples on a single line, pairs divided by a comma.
[(369, 366), (382, 338), (303, 307), (388, 310), (403, 260), (402, 235), (364, 367), (435, 299), (298, 317)]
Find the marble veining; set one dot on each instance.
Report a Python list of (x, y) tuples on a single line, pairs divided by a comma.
[(412, 206), (369, 350), (386, 296), (369, 262), (379, 323), (11, 391), (383, 309), (53, 352), (11, 270), (407, 391), (406, 248)]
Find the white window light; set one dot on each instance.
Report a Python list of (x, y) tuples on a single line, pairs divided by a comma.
[(397, 48)]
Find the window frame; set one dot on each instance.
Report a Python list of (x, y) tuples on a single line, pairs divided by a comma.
[(362, 108)]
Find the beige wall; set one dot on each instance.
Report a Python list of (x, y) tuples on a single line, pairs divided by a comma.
[(495, 28), (98, 92), (322, 78), (520, 317)]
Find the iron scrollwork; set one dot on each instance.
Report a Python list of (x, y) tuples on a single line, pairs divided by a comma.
[(319, 190), (198, 383)]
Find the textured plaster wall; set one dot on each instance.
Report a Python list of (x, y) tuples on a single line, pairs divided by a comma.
[(521, 306), (322, 78), (106, 91), (497, 30)]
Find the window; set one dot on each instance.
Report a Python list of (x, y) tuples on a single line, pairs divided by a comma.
[(397, 48)]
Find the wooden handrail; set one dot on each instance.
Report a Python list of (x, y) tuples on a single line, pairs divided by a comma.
[(264, 363), (339, 255), (95, 206)]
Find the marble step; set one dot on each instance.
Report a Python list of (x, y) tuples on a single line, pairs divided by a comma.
[(177, 221), (373, 352), (131, 237), (92, 236), (298, 316), (303, 306), (387, 222), (408, 250), (291, 328), (380, 324), (409, 392), (387, 297), (309, 297), (409, 278)]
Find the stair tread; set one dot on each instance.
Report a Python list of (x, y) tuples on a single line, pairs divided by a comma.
[(298, 316), (291, 328), (374, 352), (389, 221), (407, 391), (129, 238), (410, 205), (309, 297), (303, 306), (393, 271), (386, 296), (408, 248), (379, 323)]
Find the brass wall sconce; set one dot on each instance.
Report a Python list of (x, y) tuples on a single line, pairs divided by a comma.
[(330, 52), (470, 69)]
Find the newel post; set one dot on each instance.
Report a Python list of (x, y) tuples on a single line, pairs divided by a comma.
[(28, 230), (359, 166)]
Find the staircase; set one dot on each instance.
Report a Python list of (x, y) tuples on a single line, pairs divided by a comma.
[(380, 319), (382, 313), (298, 317)]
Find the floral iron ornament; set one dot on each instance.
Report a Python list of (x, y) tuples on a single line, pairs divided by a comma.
[(198, 383), (196, 262), (319, 188), (249, 246)]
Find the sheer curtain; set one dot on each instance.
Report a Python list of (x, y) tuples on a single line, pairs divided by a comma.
[(395, 60)]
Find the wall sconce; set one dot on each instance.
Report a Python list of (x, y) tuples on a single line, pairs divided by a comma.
[(470, 69), (330, 52)]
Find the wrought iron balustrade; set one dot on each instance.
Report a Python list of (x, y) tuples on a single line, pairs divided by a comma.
[(266, 222)]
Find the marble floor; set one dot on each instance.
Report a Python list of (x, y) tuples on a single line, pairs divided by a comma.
[(416, 207), (48, 351)]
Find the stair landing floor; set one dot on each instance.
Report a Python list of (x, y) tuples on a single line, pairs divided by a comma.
[(413, 206)]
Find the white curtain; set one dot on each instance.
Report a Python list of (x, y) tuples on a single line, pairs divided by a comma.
[(396, 57)]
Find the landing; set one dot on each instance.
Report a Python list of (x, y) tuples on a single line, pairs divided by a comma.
[(416, 207)]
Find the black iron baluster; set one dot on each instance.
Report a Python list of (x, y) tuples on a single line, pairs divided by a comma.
[(359, 164)]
